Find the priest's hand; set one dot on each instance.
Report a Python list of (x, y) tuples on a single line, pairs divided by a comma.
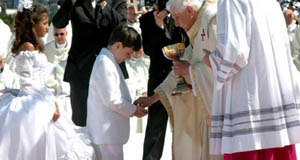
[(143, 102), (181, 68), (140, 111), (147, 101), (56, 113), (206, 58), (159, 17)]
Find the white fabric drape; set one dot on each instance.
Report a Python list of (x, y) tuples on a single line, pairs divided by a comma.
[(27, 130), (256, 94), (4, 38)]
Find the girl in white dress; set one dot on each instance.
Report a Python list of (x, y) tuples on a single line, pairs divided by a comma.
[(31, 126)]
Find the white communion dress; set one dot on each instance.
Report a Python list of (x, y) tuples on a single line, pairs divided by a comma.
[(27, 131)]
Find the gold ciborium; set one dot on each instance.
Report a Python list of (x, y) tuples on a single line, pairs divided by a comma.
[(175, 52)]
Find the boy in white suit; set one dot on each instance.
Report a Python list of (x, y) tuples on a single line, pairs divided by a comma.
[(109, 102)]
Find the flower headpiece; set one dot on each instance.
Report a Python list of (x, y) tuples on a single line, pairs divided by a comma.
[(27, 4)]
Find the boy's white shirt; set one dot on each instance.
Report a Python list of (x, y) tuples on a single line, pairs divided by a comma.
[(109, 102)]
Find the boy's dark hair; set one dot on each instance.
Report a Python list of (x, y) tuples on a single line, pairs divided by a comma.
[(128, 36)]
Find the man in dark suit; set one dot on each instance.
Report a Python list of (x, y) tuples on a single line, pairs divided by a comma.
[(92, 23), (158, 30)]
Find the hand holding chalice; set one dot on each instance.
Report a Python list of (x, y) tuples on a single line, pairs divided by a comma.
[(175, 52)]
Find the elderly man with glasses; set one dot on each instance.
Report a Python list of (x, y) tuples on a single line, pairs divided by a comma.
[(57, 54)]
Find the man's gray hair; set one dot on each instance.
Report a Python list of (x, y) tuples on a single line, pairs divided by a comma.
[(180, 5)]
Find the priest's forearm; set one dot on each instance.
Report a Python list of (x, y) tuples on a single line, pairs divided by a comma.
[(147, 101), (154, 98)]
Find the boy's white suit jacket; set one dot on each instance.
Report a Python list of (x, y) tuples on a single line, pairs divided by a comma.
[(109, 102)]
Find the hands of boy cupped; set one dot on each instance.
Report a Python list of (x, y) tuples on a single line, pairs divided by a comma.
[(140, 112)]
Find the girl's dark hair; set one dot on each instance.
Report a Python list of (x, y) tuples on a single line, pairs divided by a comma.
[(24, 30), (128, 36)]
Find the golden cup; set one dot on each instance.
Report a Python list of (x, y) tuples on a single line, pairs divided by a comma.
[(175, 52)]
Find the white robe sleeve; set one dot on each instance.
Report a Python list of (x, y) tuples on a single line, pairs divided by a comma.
[(234, 33), (24, 68), (108, 89)]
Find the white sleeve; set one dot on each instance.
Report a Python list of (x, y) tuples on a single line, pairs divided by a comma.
[(24, 68), (234, 33), (28, 80)]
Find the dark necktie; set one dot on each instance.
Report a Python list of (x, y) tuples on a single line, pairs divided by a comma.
[(98, 6)]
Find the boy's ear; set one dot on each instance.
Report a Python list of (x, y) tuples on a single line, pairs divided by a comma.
[(190, 9), (119, 45)]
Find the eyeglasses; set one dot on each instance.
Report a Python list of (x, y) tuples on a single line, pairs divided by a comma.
[(59, 34)]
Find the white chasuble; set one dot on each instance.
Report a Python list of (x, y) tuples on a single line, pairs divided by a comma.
[(189, 112)]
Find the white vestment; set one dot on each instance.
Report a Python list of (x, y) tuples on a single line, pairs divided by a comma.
[(58, 58), (109, 103), (137, 84), (138, 76), (8, 79), (135, 25), (4, 38), (295, 48), (257, 93), (291, 29), (9, 58), (190, 112)]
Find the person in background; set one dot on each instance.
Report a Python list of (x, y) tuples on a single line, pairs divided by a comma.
[(133, 18), (190, 112), (158, 30), (50, 36), (4, 39), (295, 48), (137, 67), (290, 20), (57, 53), (92, 23), (138, 64), (8, 79)]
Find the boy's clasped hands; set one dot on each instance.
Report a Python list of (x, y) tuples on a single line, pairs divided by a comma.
[(141, 103)]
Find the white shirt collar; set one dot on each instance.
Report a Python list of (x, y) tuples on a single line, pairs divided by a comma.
[(94, 3), (59, 46), (108, 53)]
